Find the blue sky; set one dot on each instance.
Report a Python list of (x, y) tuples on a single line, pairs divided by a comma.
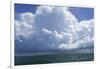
[(83, 13), (79, 12), (20, 8), (42, 28)]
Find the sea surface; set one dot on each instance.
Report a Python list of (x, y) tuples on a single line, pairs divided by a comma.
[(52, 58)]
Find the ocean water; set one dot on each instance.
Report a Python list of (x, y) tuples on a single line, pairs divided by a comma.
[(52, 58)]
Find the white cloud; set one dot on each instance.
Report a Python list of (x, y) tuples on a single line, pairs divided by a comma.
[(54, 34), (57, 35), (47, 31), (24, 26), (43, 9), (68, 46), (86, 42), (59, 24), (27, 17)]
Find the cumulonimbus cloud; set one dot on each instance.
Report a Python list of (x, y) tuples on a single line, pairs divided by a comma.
[(55, 28)]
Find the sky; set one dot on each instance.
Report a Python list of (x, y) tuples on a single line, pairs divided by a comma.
[(80, 13), (46, 28)]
